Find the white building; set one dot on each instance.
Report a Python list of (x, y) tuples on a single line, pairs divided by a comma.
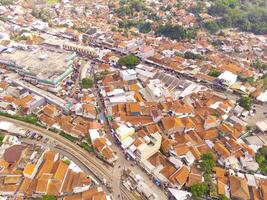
[(148, 149), (128, 75), (228, 78)]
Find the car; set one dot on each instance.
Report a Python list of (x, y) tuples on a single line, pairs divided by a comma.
[(39, 138)]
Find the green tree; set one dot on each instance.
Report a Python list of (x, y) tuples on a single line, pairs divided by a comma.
[(48, 197), (67, 162), (246, 15), (207, 163), (87, 83), (130, 61), (199, 189), (258, 64), (245, 102), (144, 27), (193, 56), (261, 159), (212, 26), (214, 72), (176, 32)]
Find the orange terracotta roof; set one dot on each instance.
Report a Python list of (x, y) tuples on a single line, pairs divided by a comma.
[(210, 134), (220, 148), (107, 153), (54, 187), (181, 149), (180, 176), (50, 110), (171, 122), (29, 168), (61, 171)]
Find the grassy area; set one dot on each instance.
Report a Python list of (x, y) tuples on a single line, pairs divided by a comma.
[(32, 119), (48, 197), (52, 2), (68, 137), (87, 147)]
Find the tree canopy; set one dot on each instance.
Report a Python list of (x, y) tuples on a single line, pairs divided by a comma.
[(199, 189), (259, 65), (176, 32), (261, 158), (130, 61), (207, 163), (247, 15), (144, 27), (48, 197), (245, 102), (193, 56), (214, 72), (87, 83)]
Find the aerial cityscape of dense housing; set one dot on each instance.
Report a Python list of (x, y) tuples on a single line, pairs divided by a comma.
[(133, 99)]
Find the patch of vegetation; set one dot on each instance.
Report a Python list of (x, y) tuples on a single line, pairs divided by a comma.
[(259, 65), (68, 137), (32, 119), (87, 83), (67, 162), (245, 79), (193, 56), (245, 102), (263, 81), (52, 2), (207, 163), (197, 8), (48, 197), (199, 190), (130, 61), (214, 72), (246, 15), (127, 23), (6, 2), (100, 75), (41, 14), (129, 7), (144, 27), (261, 159), (87, 147), (176, 32), (212, 26)]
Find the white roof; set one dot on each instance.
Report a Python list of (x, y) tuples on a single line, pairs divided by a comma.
[(119, 99), (115, 92), (262, 125), (127, 142), (5, 125), (179, 194), (229, 77), (94, 134), (262, 97)]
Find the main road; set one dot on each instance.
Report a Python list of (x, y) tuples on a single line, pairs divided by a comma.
[(97, 168)]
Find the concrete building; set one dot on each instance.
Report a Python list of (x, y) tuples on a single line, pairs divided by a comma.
[(146, 150), (128, 75), (39, 66)]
